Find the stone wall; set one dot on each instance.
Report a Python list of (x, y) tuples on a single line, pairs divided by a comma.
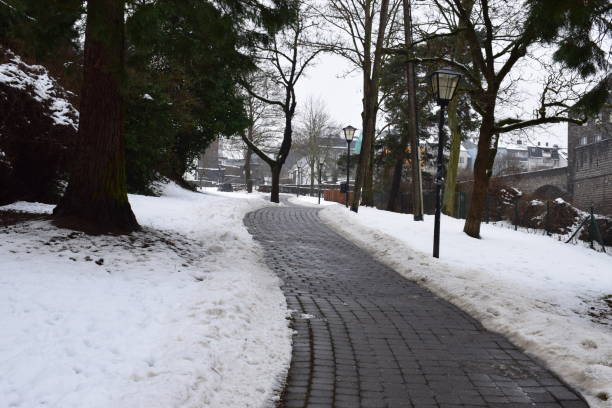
[(530, 181), (590, 163)]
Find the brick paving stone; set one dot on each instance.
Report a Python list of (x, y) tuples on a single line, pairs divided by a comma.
[(367, 337)]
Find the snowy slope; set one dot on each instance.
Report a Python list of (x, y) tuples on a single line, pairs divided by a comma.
[(35, 80), (184, 314), (535, 290)]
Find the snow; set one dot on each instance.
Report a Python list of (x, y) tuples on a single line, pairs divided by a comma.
[(310, 201), (535, 290), (35, 78), (182, 314), (28, 207)]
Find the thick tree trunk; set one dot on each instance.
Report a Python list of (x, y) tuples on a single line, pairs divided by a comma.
[(453, 161), (275, 194), (481, 175), (247, 170), (96, 198)]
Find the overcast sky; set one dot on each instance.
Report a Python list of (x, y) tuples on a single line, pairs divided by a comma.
[(342, 95)]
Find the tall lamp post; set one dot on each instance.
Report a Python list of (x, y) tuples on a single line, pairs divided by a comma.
[(321, 163), (349, 134), (444, 84)]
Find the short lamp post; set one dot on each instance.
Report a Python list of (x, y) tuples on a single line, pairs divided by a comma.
[(444, 84), (321, 163), (298, 181), (349, 134)]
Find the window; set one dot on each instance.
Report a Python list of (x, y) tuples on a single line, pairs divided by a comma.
[(583, 140), (598, 138)]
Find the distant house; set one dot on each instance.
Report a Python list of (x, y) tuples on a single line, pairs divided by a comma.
[(429, 156), (332, 149), (516, 156), (217, 165), (590, 162)]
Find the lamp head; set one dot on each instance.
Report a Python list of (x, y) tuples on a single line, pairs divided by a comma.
[(444, 85), (349, 133)]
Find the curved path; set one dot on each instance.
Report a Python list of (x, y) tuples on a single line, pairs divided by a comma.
[(367, 337)]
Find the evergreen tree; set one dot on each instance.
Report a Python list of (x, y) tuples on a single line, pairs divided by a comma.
[(96, 197)]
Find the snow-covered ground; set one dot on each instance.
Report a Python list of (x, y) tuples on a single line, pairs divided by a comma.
[(307, 200), (183, 314), (535, 290)]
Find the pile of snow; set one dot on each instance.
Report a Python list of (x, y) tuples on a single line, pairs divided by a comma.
[(540, 293), (182, 314), (35, 80)]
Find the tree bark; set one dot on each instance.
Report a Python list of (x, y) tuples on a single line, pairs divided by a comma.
[(247, 170), (453, 160), (396, 180), (450, 186), (481, 174), (96, 198), (368, 190), (411, 135), (312, 178), (371, 77), (275, 194)]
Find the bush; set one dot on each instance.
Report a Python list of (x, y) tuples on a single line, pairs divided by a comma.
[(38, 131)]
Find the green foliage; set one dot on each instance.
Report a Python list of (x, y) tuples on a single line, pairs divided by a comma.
[(37, 29), (183, 58), (573, 26), (393, 83), (184, 55), (590, 104)]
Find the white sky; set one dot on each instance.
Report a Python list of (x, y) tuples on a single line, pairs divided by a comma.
[(342, 93)]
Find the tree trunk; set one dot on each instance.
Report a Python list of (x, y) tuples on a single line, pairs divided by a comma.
[(368, 182), (312, 179), (453, 161), (397, 172), (96, 198), (453, 123), (247, 170), (275, 196), (363, 168), (481, 175), (413, 134)]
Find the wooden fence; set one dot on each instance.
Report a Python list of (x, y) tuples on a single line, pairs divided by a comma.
[(337, 196)]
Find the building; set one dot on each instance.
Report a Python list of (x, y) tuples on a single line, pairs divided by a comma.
[(590, 162), (332, 149), (429, 156), (220, 164), (516, 156)]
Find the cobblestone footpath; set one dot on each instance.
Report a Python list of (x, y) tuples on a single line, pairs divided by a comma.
[(367, 337)]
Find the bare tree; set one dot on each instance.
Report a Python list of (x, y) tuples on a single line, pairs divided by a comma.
[(283, 63), (263, 128), (314, 136), (450, 184), (365, 29), (411, 135), (497, 47)]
